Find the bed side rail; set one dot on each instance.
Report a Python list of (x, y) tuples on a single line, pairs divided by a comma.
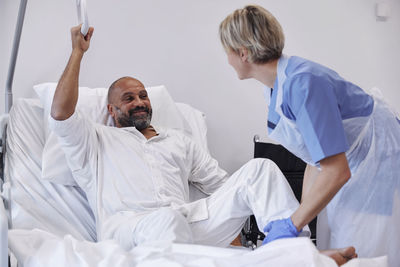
[(3, 235), (3, 136), (3, 214)]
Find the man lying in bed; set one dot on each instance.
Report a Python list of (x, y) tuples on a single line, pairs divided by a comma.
[(136, 177)]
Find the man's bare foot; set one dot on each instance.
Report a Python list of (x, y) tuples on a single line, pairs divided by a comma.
[(341, 255)]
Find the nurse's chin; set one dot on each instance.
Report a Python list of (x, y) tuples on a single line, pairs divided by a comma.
[(243, 77)]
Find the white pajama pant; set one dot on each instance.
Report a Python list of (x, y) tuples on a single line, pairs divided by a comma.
[(258, 188)]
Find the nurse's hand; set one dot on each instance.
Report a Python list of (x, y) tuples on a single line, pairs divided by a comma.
[(80, 43), (280, 229)]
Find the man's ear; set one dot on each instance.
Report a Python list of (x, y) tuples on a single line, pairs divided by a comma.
[(243, 53), (111, 110)]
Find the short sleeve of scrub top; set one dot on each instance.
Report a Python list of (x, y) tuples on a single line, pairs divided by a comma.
[(311, 101)]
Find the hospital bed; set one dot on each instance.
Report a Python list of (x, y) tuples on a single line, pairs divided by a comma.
[(50, 222), (45, 219)]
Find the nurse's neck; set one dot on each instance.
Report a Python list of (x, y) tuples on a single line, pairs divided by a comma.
[(265, 72)]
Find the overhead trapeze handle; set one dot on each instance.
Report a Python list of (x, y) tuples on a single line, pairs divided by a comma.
[(82, 16)]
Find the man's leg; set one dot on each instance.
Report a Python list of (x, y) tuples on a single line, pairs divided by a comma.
[(164, 224), (258, 188)]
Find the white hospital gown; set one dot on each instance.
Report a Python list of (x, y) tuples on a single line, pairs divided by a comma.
[(138, 189), (120, 170)]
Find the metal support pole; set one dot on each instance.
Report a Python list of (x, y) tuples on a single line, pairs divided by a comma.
[(14, 53)]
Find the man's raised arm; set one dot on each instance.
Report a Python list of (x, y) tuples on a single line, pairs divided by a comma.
[(66, 95)]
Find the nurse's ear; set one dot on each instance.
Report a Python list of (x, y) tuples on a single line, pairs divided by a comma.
[(243, 53)]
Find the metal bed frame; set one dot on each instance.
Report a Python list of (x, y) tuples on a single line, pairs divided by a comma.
[(4, 220)]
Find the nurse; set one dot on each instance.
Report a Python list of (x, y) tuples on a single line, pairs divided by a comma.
[(349, 139)]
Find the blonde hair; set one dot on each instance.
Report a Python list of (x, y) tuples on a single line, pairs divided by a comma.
[(255, 29)]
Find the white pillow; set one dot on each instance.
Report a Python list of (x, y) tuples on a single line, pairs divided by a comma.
[(93, 102)]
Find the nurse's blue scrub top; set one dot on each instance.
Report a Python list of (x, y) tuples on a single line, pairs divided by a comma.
[(317, 99)]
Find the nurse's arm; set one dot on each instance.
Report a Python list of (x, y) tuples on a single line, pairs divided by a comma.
[(335, 172), (310, 175)]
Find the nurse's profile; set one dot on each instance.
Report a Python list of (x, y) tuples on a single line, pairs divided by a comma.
[(349, 139)]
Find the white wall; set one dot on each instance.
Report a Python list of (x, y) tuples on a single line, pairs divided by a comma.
[(175, 42)]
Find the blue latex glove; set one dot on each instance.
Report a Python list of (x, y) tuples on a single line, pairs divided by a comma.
[(280, 229)]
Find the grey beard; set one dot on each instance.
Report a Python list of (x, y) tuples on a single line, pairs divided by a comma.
[(139, 122)]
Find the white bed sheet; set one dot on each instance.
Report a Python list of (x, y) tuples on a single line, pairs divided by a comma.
[(40, 249)]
